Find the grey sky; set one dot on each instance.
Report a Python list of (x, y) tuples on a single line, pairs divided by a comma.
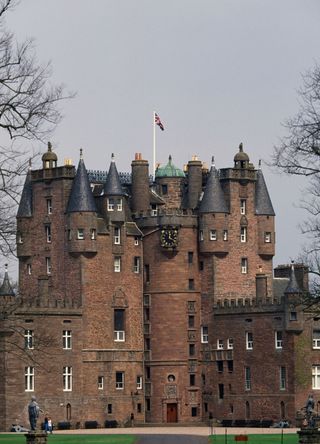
[(218, 72)]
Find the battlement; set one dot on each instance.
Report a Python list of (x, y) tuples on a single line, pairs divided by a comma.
[(247, 305)]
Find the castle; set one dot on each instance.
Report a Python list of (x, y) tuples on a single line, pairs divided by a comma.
[(154, 299)]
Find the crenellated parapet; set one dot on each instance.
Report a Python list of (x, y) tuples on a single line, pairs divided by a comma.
[(247, 305)]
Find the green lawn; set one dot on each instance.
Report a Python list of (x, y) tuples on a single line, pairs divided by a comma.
[(256, 439), (19, 438)]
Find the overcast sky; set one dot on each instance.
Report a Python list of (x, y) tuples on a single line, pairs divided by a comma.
[(218, 72)]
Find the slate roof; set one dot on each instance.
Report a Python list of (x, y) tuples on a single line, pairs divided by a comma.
[(81, 197), (279, 286), (6, 289), (292, 286), (112, 186), (262, 198), (213, 200), (25, 206)]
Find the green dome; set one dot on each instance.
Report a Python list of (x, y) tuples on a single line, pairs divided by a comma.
[(169, 170)]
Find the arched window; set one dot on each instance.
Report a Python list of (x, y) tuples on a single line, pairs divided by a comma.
[(247, 410), (68, 408), (282, 410)]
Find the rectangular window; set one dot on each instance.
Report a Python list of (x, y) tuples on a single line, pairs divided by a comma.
[(117, 264), (148, 404), (93, 234), (230, 366), (48, 265), (67, 379), (147, 272), (139, 382), (119, 325), (80, 234), (29, 379), (136, 240), (316, 339), (192, 379), (194, 411), (220, 344), (213, 235), (244, 265), (100, 382), (29, 269), (204, 334), (316, 377), (109, 409), (243, 234), (267, 237), (201, 235), (67, 339), (225, 235), (117, 235), (230, 343), (110, 204), (192, 349), (49, 206), (283, 378), (243, 206), (136, 264), (164, 189), (191, 284), (278, 339), (247, 383), (249, 340), (48, 233), (221, 391), (190, 257), (119, 204), (293, 316), (191, 323), (119, 380), (29, 339), (220, 366), (139, 407)]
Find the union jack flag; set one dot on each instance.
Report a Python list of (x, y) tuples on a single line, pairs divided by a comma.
[(158, 121)]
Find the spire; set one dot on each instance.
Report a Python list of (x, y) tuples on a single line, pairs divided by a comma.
[(112, 186), (213, 200), (25, 206), (262, 198), (81, 197), (6, 289), (292, 286)]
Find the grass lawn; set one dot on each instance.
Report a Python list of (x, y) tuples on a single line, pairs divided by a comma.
[(19, 438), (256, 439)]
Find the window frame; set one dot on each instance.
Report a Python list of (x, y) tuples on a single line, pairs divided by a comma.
[(29, 378), (67, 339), (244, 265), (117, 264), (139, 382), (119, 377), (49, 205), (249, 340), (315, 341), (220, 344), (267, 237), (247, 378), (283, 378), (278, 338), (136, 264), (67, 378), (117, 235), (48, 233), (213, 235), (243, 234), (48, 265), (110, 204), (29, 339), (230, 344), (243, 206), (225, 235), (204, 334), (80, 233)]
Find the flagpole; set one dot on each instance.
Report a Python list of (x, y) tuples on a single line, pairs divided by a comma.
[(154, 145)]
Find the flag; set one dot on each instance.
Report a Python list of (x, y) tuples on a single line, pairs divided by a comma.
[(158, 121)]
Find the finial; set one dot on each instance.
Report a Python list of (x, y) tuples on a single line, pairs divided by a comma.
[(6, 267), (241, 147), (30, 163), (49, 146), (112, 157), (259, 164), (212, 161), (170, 158), (81, 155)]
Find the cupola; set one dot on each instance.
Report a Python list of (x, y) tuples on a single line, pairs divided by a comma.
[(241, 159), (49, 159), (169, 170)]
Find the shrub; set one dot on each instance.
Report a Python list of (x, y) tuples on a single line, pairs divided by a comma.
[(64, 425), (110, 424), (91, 425)]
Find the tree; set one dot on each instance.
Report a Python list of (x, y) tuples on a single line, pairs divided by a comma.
[(28, 110)]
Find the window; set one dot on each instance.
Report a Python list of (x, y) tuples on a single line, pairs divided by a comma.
[(119, 325), (225, 235), (100, 382), (117, 264), (249, 340), (49, 206), (67, 339), (316, 377), (243, 206), (80, 234), (190, 257), (139, 382), (244, 265), (191, 284), (109, 409), (136, 264), (28, 339), (147, 272), (267, 237), (192, 379), (67, 379), (93, 234), (154, 210), (192, 349), (148, 404), (117, 234), (243, 234), (293, 316), (201, 235), (247, 383), (221, 391), (136, 240), (220, 366), (29, 269), (48, 233), (230, 366), (29, 379), (194, 411), (164, 189), (139, 407), (220, 344), (148, 372), (191, 321), (230, 343), (201, 266), (204, 334), (278, 339), (282, 378), (69, 235), (110, 204), (48, 265), (213, 235), (119, 204), (316, 339), (119, 380)]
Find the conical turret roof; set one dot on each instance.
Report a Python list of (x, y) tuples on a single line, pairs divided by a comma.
[(112, 186), (169, 170), (25, 206), (292, 286), (81, 197), (213, 200), (6, 289), (262, 198)]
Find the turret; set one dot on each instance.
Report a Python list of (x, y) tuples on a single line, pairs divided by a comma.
[(169, 183), (49, 159), (114, 196), (140, 192), (6, 290), (293, 304), (81, 214), (24, 216)]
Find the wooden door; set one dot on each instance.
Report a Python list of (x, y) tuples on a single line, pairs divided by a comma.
[(172, 412)]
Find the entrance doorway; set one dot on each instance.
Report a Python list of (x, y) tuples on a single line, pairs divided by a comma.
[(172, 412)]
